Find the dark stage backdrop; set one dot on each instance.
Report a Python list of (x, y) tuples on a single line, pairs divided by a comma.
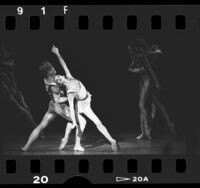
[(100, 59)]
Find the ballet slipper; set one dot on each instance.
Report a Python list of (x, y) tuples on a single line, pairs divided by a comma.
[(78, 148), (115, 146)]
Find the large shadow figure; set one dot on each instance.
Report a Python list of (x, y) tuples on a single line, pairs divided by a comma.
[(10, 94), (141, 54)]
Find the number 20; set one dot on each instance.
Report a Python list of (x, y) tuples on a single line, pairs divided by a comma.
[(40, 180)]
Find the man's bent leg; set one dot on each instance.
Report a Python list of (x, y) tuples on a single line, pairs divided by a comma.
[(79, 133), (64, 140), (35, 133)]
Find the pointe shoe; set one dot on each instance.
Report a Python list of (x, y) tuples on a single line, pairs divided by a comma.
[(62, 145), (78, 148), (144, 136), (141, 136), (115, 146), (171, 127), (24, 148)]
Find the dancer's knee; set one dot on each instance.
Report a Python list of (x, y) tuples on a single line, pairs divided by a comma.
[(69, 127), (82, 123)]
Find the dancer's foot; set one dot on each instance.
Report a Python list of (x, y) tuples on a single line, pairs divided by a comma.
[(115, 146), (25, 148), (78, 148), (148, 136), (141, 136), (62, 144), (144, 136), (171, 127), (148, 133)]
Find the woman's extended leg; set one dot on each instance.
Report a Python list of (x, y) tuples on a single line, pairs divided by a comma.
[(92, 116)]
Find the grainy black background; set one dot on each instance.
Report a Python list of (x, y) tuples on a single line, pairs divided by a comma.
[(99, 58)]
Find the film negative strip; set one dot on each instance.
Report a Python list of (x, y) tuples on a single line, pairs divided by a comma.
[(99, 93)]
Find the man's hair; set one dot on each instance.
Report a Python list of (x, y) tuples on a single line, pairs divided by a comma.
[(45, 67)]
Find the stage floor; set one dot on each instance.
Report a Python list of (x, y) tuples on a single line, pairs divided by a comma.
[(97, 145)]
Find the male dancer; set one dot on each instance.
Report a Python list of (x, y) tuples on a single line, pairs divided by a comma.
[(76, 91), (149, 87), (57, 106)]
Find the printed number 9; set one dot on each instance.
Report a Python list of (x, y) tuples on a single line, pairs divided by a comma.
[(40, 180), (20, 10)]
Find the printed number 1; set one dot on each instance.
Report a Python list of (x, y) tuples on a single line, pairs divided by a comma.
[(43, 10), (40, 180)]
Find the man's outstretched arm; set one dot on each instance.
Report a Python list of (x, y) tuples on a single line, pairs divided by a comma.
[(62, 62)]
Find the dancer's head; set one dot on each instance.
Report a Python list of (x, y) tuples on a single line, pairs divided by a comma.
[(47, 69), (7, 58), (154, 49), (6, 53)]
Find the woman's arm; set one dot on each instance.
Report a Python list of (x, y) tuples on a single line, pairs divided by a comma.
[(62, 62)]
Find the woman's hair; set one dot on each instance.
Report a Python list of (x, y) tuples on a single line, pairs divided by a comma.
[(45, 68)]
